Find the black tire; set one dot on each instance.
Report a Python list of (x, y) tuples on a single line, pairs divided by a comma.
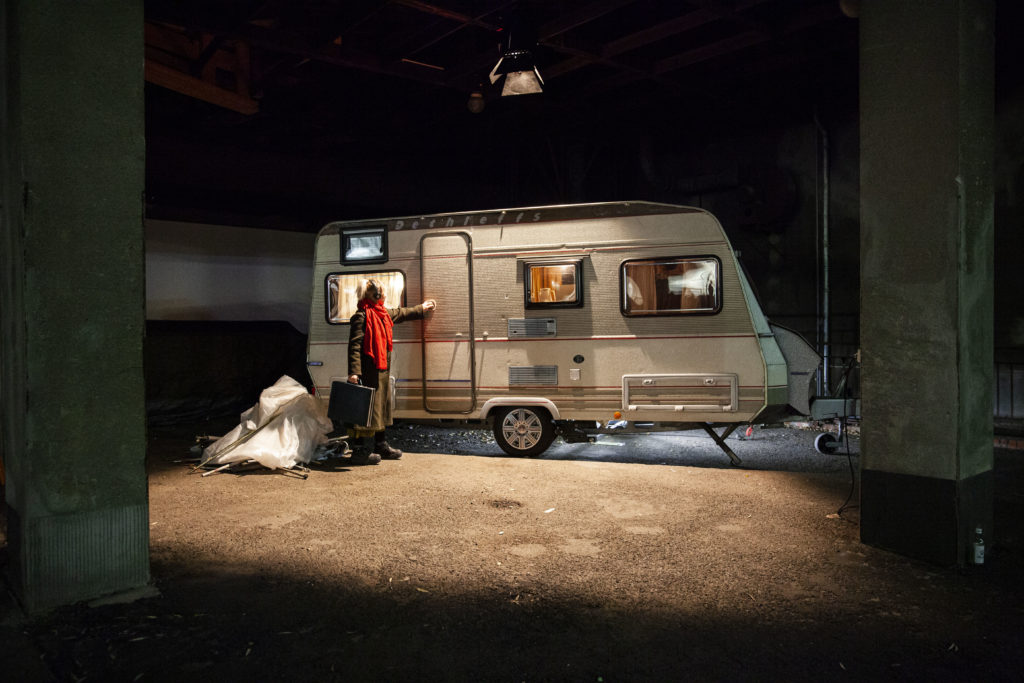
[(826, 444), (524, 431)]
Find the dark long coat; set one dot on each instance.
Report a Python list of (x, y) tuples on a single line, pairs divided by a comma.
[(361, 364)]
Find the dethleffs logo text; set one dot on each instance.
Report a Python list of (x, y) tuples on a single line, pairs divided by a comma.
[(466, 220)]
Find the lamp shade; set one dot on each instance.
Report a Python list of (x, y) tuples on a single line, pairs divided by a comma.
[(520, 73), (522, 83)]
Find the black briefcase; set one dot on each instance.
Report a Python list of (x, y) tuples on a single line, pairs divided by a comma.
[(351, 403)]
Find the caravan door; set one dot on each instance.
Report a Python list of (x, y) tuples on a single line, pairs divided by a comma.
[(446, 275)]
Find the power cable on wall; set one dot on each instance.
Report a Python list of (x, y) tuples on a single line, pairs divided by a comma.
[(844, 383)]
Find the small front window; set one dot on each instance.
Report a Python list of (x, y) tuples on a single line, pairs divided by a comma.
[(343, 288), (553, 284), (671, 286), (364, 245)]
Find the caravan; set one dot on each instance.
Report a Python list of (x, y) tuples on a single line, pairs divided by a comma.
[(563, 320)]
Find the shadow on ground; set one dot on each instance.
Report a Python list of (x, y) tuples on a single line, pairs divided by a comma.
[(794, 597), (228, 627)]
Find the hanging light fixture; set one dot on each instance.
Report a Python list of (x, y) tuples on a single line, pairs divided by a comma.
[(519, 70)]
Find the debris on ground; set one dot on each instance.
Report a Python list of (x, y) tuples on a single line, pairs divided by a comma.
[(283, 432)]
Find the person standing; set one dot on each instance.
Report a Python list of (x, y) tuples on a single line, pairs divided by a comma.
[(369, 362)]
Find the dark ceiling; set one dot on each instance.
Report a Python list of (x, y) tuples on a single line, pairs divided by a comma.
[(289, 112)]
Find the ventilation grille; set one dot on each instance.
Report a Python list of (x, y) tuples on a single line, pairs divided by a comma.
[(531, 327), (533, 374)]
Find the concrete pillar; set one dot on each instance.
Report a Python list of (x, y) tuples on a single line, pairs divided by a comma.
[(926, 93), (72, 298)]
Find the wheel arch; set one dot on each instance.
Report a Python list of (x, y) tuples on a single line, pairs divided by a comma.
[(519, 402)]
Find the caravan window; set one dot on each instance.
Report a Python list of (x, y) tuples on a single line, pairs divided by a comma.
[(364, 245), (553, 284), (671, 286), (342, 291)]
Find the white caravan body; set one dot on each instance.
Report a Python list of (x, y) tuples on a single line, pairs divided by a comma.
[(582, 314)]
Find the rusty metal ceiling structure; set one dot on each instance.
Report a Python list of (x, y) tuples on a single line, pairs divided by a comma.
[(270, 82)]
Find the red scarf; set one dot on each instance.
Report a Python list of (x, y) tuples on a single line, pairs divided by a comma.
[(377, 335)]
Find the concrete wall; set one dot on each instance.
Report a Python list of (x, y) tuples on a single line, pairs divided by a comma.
[(215, 272), (72, 299), (927, 276)]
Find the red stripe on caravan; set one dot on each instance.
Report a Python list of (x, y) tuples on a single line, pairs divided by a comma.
[(619, 338), (506, 387), (523, 341)]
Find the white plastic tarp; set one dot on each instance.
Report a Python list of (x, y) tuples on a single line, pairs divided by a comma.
[(283, 429)]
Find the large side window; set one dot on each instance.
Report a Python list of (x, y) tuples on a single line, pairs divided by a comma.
[(343, 288), (671, 286), (553, 284)]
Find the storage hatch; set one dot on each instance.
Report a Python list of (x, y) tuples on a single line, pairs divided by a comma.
[(694, 392)]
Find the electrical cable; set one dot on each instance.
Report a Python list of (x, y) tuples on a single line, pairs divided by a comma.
[(846, 436), (853, 481)]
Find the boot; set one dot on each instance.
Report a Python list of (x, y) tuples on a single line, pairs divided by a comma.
[(384, 450), (363, 453)]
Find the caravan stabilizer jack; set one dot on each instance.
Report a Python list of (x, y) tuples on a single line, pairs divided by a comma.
[(570, 433), (720, 440)]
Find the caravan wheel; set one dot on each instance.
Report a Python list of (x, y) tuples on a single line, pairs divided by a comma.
[(523, 431)]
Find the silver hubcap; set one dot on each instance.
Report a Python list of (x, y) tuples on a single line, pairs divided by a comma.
[(521, 429)]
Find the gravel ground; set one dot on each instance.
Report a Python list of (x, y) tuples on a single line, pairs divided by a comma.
[(646, 558), (768, 448)]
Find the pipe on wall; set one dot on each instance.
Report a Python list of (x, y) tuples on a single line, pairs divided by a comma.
[(822, 139)]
